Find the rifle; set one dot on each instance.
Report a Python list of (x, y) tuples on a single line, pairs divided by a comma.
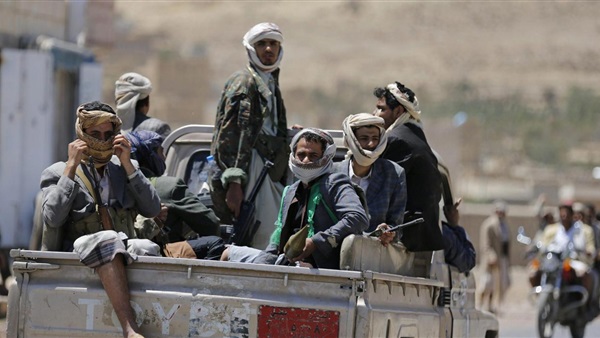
[(101, 208), (246, 224), (379, 232), (162, 238)]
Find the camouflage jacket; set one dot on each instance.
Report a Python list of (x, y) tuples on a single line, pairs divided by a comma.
[(240, 116)]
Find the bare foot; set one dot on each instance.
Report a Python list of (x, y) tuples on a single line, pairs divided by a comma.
[(135, 335)]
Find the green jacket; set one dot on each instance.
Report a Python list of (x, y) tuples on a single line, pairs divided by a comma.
[(184, 209)]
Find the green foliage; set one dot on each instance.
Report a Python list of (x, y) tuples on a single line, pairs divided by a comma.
[(547, 132)]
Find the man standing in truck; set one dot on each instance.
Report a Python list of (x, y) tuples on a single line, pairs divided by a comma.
[(251, 127), (93, 198), (408, 147)]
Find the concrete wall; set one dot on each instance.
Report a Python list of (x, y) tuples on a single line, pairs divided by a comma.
[(180, 97), (34, 18)]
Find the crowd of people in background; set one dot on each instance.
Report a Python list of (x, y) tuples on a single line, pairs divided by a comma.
[(112, 185)]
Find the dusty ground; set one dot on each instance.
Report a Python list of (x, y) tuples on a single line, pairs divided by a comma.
[(517, 317)]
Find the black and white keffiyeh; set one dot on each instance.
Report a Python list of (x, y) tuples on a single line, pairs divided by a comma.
[(307, 172)]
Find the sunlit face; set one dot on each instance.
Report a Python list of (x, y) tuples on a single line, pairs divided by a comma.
[(368, 137), (102, 132), (308, 151), (267, 51), (388, 115)]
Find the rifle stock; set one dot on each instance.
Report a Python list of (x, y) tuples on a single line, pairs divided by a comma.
[(245, 226), (105, 218), (101, 208)]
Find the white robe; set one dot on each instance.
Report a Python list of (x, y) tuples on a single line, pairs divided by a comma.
[(267, 202)]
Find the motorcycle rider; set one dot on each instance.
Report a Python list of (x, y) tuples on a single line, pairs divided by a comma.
[(559, 235)]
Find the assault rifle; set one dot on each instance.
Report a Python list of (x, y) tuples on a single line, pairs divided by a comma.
[(379, 232), (245, 226)]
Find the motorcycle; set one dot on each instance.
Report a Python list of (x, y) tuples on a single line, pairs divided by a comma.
[(560, 299)]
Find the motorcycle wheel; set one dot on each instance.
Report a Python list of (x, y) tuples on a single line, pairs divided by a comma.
[(546, 312)]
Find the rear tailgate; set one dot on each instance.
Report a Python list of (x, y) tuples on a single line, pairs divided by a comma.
[(57, 296)]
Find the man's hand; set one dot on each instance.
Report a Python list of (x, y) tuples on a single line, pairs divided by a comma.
[(309, 248), (451, 213), (75, 156), (122, 149), (386, 237), (234, 198), (164, 212)]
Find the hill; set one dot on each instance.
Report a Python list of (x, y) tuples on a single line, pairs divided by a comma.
[(526, 73), (345, 48)]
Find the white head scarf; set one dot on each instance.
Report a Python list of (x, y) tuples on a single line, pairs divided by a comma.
[(411, 108), (130, 88), (265, 30), (308, 172), (361, 156)]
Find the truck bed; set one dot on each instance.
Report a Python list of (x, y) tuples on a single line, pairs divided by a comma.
[(57, 296)]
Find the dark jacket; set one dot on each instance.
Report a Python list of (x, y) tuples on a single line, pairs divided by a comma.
[(341, 197), (458, 249), (386, 195), (68, 201), (408, 147), (184, 206)]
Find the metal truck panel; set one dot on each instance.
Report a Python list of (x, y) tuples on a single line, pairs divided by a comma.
[(178, 298)]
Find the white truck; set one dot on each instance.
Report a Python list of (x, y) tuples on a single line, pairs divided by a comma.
[(378, 291)]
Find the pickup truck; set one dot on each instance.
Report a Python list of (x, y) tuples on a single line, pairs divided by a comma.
[(378, 291)]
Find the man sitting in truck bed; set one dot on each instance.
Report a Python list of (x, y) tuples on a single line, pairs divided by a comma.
[(185, 227), (318, 211), (383, 181), (92, 202)]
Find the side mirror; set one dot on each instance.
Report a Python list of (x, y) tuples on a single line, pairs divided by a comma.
[(521, 237)]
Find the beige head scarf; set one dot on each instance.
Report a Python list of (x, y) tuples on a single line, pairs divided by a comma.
[(101, 151), (411, 107), (265, 30), (130, 88), (361, 156)]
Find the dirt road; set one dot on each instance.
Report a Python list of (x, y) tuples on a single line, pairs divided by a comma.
[(518, 315)]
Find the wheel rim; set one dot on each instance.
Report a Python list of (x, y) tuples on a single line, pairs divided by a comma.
[(545, 321)]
